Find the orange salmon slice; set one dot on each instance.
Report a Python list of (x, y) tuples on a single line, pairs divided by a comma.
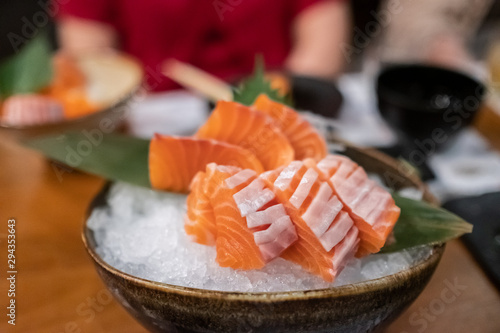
[(304, 138), (174, 161), (240, 125), (327, 237), (199, 222), (252, 228), (371, 207)]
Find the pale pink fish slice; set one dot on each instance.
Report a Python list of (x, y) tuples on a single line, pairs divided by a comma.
[(279, 232), (274, 231), (355, 189), (286, 176), (337, 231), (239, 178), (328, 165), (253, 197), (31, 109), (286, 235), (304, 188), (375, 206), (265, 217), (346, 249), (322, 210)]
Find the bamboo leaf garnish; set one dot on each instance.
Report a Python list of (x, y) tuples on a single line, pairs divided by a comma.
[(114, 157), (255, 85), (421, 223), (29, 70)]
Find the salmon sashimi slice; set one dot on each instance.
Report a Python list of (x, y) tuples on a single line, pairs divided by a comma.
[(199, 222), (248, 234), (240, 125), (372, 208), (327, 237), (317, 215), (174, 161), (304, 138)]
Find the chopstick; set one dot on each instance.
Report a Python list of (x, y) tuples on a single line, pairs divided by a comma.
[(198, 80)]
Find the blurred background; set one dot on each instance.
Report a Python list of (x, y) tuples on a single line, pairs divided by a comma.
[(382, 74)]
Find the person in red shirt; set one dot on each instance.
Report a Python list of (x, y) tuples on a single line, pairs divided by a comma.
[(219, 36)]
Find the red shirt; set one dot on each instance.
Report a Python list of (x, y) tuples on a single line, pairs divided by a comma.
[(219, 36)]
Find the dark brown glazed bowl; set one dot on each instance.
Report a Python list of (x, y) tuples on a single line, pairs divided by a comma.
[(114, 80), (360, 307)]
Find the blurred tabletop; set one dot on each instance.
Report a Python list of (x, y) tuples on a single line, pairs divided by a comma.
[(58, 290)]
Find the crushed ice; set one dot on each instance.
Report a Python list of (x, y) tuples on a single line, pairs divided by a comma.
[(141, 232)]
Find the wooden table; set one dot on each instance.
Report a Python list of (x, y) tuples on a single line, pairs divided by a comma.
[(58, 290)]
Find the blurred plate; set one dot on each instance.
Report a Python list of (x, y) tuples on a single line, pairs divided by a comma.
[(113, 80), (484, 241)]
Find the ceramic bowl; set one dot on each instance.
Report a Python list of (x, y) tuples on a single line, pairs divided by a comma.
[(360, 307), (112, 81), (425, 103)]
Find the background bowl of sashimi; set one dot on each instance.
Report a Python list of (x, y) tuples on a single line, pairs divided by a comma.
[(112, 81), (360, 307)]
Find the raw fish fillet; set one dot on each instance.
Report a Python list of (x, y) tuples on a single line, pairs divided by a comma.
[(199, 222), (372, 208), (252, 228), (174, 161), (327, 237), (240, 125), (318, 215), (303, 137)]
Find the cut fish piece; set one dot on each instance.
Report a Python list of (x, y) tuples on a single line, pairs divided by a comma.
[(173, 161), (235, 245), (315, 249), (253, 197), (240, 178), (322, 211), (246, 242), (304, 138), (318, 215), (305, 186), (337, 231), (240, 125), (345, 250), (274, 230), (372, 208), (265, 217), (278, 237), (200, 219)]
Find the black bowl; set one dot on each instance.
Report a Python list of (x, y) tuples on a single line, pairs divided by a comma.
[(427, 105), (316, 95)]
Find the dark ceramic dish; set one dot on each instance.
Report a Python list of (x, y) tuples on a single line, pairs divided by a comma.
[(427, 103), (318, 96), (361, 307)]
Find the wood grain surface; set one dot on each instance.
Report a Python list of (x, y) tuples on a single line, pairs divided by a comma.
[(58, 290)]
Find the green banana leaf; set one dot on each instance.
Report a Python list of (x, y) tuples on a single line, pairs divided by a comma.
[(115, 157), (421, 223), (29, 70), (124, 158)]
